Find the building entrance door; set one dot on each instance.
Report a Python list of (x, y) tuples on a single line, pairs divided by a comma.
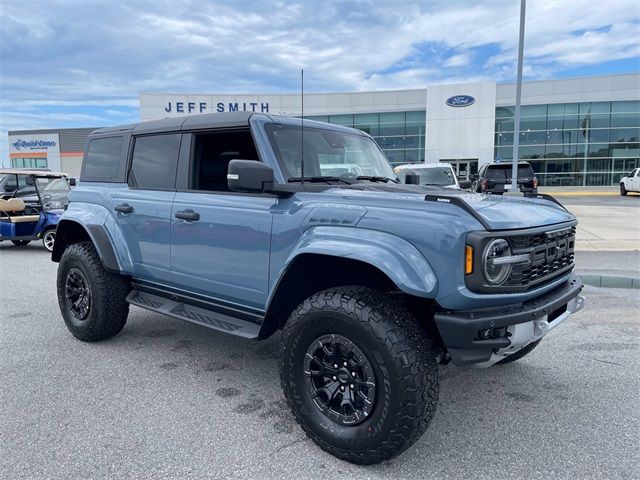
[(463, 167)]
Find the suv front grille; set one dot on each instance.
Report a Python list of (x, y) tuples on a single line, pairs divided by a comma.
[(551, 254)]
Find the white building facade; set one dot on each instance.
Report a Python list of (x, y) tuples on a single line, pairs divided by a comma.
[(577, 131)]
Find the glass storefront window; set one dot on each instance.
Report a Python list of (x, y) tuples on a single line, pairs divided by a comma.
[(625, 120), (346, 120), (624, 135)]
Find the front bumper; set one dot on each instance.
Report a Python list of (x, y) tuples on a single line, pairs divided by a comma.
[(488, 335)]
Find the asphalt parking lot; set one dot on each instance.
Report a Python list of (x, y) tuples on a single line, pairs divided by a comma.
[(166, 399)]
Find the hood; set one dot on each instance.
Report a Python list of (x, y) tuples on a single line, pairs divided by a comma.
[(496, 212)]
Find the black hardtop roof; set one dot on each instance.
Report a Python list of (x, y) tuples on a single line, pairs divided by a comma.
[(202, 121), (227, 119), (507, 164)]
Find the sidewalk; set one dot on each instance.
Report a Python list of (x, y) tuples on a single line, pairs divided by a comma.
[(606, 228), (581, 191)]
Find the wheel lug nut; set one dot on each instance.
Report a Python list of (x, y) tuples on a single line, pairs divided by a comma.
[(353, 374), (334, 378), (344, 364), (335, 365), (351, 386), (342, 388)]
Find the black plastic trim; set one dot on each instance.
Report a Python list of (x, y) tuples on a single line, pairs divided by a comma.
[(104, 248), (217, 306), (458, 329), (459, 202)]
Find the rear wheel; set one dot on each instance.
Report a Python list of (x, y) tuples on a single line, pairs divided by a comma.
[(20, 243), (623, 191), (92, 301), (48, 239), (358, 373)]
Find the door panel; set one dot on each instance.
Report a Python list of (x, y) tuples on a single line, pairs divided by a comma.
[(223, 254), (147, 230)]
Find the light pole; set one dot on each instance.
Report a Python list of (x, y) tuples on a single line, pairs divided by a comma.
[(516, 124)]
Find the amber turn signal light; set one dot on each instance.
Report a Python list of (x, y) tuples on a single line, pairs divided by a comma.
[(468, 260)]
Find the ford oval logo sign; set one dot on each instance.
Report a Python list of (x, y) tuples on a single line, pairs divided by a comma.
[(460, 101)]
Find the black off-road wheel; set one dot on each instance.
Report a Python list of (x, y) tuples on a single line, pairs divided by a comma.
[(523, 352), (20, 243), (623, 191), (358, 373), (92, 300)]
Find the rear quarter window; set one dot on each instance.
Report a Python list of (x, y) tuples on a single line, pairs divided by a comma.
[(103, 159)]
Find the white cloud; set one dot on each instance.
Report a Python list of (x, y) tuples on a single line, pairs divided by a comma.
[(100, 55)]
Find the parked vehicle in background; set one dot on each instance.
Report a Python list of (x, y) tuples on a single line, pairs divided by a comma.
[(630, 182), (432, 174), (495, 178), (33, 217), (214, 219)]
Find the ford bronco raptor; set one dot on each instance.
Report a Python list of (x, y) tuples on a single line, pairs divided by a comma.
[(253, 223)]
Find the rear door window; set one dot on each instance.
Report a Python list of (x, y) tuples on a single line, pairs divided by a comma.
[(154, 162), (103, 158)]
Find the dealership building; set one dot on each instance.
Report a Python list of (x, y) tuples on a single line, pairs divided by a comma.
[(575, 131)]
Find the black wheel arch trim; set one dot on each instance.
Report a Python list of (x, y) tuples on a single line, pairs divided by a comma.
[(96, 234)]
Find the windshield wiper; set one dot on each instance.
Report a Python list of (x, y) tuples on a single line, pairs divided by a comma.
[(376, 179), (316, 179)]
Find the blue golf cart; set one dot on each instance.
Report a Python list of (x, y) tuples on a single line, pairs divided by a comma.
[(33, 217)]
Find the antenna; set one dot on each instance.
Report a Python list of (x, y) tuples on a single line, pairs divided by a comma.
[(302, 127)]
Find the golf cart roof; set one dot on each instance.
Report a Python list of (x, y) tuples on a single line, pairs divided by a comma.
[(35, 173)]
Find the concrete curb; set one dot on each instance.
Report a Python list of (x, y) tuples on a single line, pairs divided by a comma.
[(603, 281)]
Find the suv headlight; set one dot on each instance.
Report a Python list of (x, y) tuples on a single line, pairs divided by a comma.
[(495, 270)]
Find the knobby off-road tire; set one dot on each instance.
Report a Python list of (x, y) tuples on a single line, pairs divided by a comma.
[(400, 361), (92, 300), (520, 353)]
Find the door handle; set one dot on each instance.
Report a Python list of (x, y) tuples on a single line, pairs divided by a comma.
[(124, 208), (188, 215)]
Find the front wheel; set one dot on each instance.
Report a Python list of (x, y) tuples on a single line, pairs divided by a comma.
[(623, 191), (20, 243), (358, 373), (92, 301), (48, 239)]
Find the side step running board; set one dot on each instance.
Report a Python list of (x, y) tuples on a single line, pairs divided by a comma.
[(183, 311)]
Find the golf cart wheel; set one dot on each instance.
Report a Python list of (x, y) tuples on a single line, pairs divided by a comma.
[(20, 243), (92, 301), (358, 373), (623, 191), (49, 238)]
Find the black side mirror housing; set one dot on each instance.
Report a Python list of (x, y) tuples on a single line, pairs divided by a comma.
[(72, 182), (464, 184), (249, 176)]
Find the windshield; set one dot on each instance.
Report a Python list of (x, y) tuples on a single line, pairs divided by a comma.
[(327, 153), (504, 171), (440, 176), (54, 192)]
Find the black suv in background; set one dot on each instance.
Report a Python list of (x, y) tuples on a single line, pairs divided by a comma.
[(496, 178)]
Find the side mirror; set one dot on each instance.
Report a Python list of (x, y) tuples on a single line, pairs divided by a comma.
[(465, 184), (72, 182), (249, 176), (472, 177)]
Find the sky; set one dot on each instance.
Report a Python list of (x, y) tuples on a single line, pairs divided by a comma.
[(83, 63)]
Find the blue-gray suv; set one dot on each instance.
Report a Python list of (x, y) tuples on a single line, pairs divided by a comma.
[(251, 223)]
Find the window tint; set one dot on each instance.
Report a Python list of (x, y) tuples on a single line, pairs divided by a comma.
[(212, 153), (155, 158), (103, 158)]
